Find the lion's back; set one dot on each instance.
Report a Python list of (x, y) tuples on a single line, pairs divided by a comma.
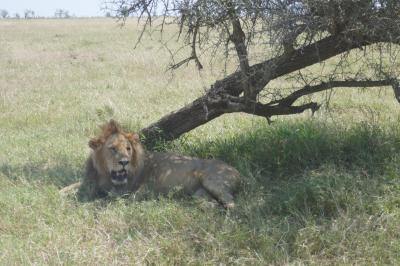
[(168, 170)]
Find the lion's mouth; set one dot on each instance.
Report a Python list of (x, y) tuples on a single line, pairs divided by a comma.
[(119, 177)]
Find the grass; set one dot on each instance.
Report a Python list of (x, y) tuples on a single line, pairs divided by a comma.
[(318, 190)]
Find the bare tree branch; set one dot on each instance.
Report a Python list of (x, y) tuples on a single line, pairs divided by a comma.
[(310, 89)]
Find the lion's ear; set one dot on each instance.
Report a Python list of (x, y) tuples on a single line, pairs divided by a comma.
[(95, 143), (132, 137)]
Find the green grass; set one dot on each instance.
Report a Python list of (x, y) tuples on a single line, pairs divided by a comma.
[(317, 190)]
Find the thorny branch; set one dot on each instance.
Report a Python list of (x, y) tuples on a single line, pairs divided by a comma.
[(310, 89), (284, 106)]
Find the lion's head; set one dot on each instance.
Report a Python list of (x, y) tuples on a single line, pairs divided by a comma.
[(117, 156)]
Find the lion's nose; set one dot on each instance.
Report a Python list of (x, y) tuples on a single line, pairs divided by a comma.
[(123, 162)]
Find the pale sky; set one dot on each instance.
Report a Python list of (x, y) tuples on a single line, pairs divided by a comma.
[(47, 8)]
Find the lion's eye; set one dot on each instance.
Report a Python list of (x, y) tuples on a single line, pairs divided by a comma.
[(128, 148), (113, 149)]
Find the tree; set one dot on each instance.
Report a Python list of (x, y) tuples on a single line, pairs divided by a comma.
[(61, 13), (293, 35), (28, 13), (3, 13)]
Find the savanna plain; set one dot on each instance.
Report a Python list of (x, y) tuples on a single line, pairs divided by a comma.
[(318, 190)]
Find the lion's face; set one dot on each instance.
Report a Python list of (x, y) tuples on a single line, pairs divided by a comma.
[(117, 153)]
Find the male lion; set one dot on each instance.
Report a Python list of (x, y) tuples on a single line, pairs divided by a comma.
[(119, 164)]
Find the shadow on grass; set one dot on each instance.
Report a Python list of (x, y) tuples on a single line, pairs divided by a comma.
[(311, 168), (61, 172), (287, 150), (306, 168)]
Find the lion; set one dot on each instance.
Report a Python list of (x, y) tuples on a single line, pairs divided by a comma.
[(119, 164)]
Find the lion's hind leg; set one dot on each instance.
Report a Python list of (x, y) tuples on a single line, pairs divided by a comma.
[(220, 189), (206, 198)]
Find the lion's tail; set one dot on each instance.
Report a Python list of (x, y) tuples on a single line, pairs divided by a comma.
[(71, 189)]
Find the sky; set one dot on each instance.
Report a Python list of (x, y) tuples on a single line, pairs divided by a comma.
[(47, 8)]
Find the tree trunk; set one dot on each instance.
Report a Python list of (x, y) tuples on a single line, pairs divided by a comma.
[(205, 108)]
